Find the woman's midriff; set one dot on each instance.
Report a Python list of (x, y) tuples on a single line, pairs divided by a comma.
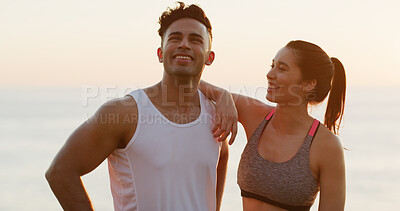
[(250, 204)]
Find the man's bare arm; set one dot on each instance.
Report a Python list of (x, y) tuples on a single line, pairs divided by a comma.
[(221, 172), (87, 147)]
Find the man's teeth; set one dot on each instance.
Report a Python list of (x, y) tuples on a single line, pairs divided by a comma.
[(183, 57)]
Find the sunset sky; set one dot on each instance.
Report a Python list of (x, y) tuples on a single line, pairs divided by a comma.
[(75, 43)]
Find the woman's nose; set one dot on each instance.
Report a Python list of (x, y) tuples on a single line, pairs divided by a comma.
[(270, 75)]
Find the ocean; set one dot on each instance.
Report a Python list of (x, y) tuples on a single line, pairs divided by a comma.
[(35, 122)]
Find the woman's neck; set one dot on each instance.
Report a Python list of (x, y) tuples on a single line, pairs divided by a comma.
[(291, 120)]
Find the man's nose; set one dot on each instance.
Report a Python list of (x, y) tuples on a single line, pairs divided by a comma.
[(184, 44)]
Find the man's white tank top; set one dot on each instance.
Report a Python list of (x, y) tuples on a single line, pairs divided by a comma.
[(166, 166)]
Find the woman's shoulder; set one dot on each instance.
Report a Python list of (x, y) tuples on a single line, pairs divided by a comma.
[(250, 109), (257, 113), (264, 110), (253, 117), (327, 140), (326, 145)]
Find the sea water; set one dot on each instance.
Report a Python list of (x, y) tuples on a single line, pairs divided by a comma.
[(35, 122)]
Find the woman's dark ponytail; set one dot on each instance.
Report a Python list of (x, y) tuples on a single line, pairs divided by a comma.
[(329, 73), (337, 97)]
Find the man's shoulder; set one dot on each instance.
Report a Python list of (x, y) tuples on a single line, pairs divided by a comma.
[(119, 106), (118, 117), (208, 103)]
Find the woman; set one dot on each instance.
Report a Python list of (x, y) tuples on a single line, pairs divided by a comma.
[(289, 155)]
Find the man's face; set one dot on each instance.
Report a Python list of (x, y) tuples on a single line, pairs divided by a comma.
[(185, 48)]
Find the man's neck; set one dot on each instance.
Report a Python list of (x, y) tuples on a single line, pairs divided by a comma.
[(179, 93), (180, 103), (182, 91)]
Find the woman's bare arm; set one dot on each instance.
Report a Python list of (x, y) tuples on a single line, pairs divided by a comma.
[(230, 108)]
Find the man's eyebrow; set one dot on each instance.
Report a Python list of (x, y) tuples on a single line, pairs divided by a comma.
[(174, 33), (196, 35), (191, 34)]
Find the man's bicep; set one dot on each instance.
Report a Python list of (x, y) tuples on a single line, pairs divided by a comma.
[(88, 146), (82, 152)]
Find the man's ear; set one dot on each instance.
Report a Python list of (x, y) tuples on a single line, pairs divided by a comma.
[(160, 55), (211, 57), (309, 85)]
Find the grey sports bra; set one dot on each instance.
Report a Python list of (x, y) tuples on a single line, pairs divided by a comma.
[(289, 185)]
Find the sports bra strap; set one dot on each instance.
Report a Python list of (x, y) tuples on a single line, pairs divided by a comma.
[(270, 114), (313, 128)]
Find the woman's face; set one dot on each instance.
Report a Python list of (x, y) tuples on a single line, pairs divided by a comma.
[(285, 84)]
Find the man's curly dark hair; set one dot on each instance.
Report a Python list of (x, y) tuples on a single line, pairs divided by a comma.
[(182, 11)]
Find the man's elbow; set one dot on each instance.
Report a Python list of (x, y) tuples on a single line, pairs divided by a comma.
[(51, 175), (54, 175)]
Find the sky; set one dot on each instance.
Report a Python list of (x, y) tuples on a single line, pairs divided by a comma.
[(84, 43)]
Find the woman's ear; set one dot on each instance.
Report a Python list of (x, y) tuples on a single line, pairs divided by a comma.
[(309, 85)]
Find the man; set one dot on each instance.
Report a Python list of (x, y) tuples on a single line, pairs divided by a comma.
[(161, 151)]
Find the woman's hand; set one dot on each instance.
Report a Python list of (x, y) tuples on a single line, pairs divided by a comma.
[(226, 117)]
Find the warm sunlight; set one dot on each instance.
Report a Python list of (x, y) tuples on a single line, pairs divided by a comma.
[(61, 60), (107, 42)]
